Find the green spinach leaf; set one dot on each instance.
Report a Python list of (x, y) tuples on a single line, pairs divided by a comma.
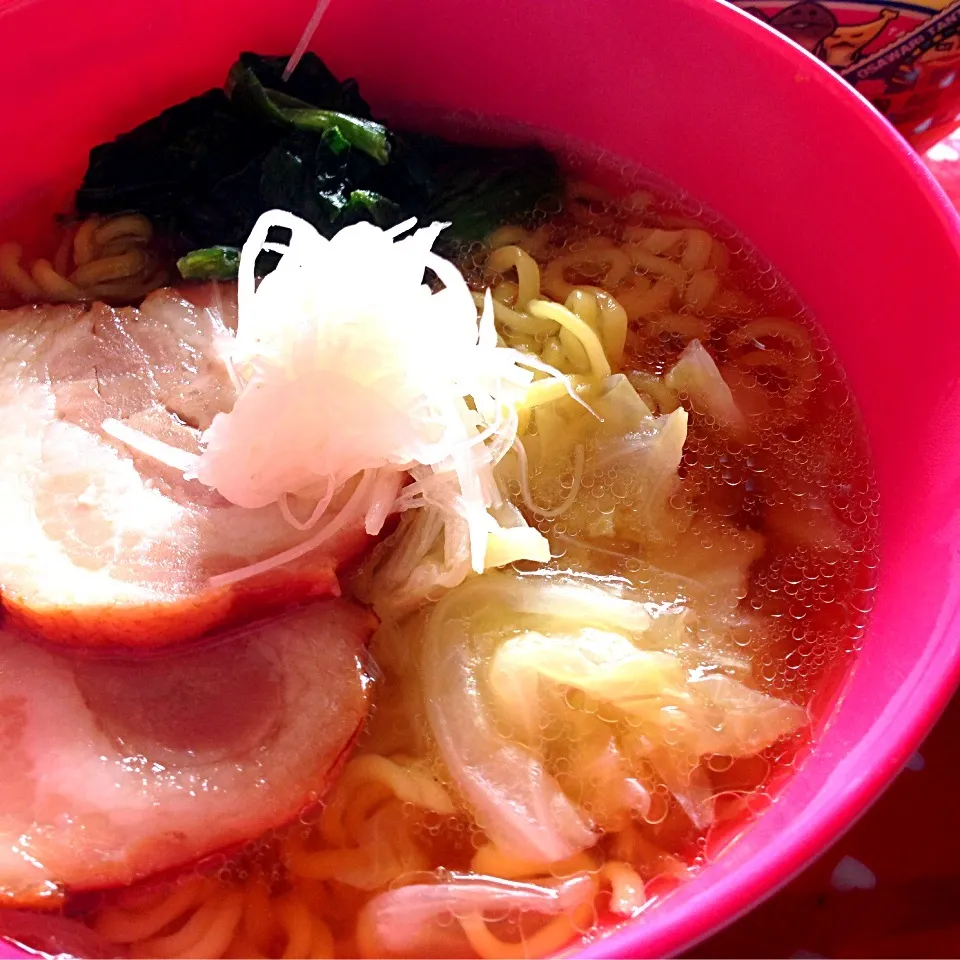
[(245, 90), (211, 263), (206, 169)]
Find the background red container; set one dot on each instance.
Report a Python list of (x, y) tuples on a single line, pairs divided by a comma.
[(904, 57)]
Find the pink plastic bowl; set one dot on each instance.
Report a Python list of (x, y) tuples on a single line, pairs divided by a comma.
[(749, 124)]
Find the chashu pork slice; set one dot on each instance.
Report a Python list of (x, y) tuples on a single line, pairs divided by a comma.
[(114, 769), (104, 547)]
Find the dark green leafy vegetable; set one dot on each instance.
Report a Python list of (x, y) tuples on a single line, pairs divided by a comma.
[(479, 188), (310, 83), (210, 263), (168, 161), (336, 141), (368, 205), (204, 170), (247, 92)]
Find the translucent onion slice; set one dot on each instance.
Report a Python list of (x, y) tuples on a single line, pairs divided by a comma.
[(516, 802), (408, 921)]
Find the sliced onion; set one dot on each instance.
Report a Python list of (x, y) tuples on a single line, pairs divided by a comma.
[(568, 597), (696, 375), (408, 921), (515, 800)]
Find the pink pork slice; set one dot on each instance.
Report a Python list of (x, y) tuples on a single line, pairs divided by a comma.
[(102, 547), (113, 770)]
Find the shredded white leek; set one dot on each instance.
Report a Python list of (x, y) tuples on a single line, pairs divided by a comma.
[(349, 366), (347, 515), (155, 449), (571, 495)]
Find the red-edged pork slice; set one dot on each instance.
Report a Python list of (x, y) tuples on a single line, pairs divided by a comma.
[(112, 770), (102, 547)]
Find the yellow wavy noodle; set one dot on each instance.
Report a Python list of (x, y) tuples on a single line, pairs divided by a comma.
[(582, 345), (553, 353), (626, 888), (606, 315), (599, 259), (700, 290), (633, 846), (654, 392), (493, 862), (697, 250), (626, 898), (13, 275), (642, 298), (505, 259), (99, 259), (731, 302), (520, 326), (523, 342), (587, 334), (650, 263), (61, 259), (555, 933), (53, 285), (547, 940), (719, 257), (683, 325), (625, 884), (387, 850), (198, 926), (365, 837), (405, 781), (589, 204), (654, 239), (363, 842), (776, 343), (84, 243), (534, 242), (367, 798), (548, 390), (695, 247), (572, 343), (285, 926), (206, 918), (593, 206), (510, 300), (305, 937), (645, 277), (207, 933), (257, 929)]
